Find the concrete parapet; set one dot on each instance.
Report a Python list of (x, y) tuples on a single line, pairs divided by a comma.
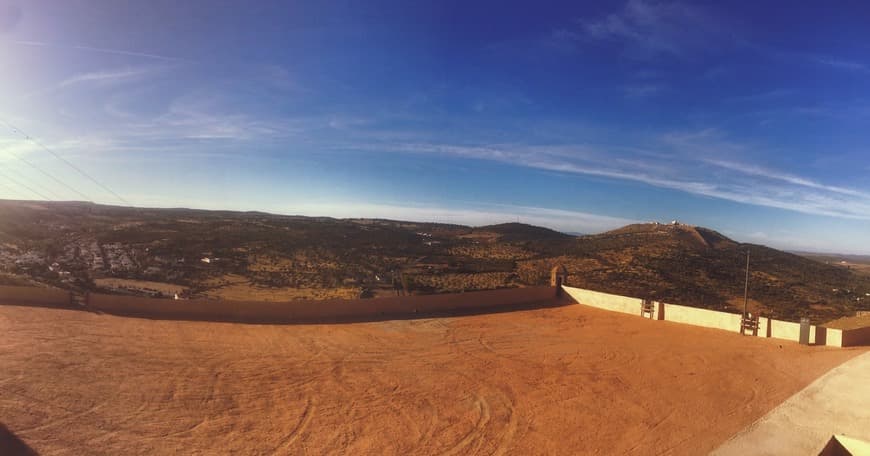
[(33, 296), (853, 337), (832, 337), (701, 317), (767, 327), (325, 310), (606, 301)]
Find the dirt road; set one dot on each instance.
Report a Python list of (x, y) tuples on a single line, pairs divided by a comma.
[(568, 380)]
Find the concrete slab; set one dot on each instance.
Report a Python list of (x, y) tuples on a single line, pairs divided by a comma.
[(838, 403)]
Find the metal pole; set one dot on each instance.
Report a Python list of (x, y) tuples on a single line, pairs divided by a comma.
[(746, 285)]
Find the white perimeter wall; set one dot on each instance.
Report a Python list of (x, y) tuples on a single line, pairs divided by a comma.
[(702, 317)]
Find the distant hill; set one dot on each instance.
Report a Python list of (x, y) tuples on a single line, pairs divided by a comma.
[(673, 234), (514, 232), (859, 264), (687, 264), (83, 245)]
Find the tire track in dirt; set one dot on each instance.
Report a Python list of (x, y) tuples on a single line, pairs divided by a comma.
[(285, 445), (514, 383), (650, 434), (507, 437), (93, 409), (616, 360), (477, 433), (746, 402), (425, 440), (485, 437)]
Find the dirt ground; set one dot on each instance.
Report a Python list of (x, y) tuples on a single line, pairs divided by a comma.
[(567, 380)]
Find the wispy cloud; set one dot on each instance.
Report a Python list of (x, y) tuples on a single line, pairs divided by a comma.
[(461, 213), (205, 115), (101, 77), (107, 76), (765, 96), (74, 47), (842, 64), (754, 170), (685, 165), (648, 29), (822, 60), (642, 90)]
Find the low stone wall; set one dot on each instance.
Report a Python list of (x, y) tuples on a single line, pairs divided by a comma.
[(783, 329), (606, 301), (832, 337), (701, 317), (32, 296), (719, 320), (853, 337), (325, 310)]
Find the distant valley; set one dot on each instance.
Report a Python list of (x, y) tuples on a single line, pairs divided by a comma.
[(259, 256)]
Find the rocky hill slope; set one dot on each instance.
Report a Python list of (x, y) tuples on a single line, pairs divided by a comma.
[(226, 254)]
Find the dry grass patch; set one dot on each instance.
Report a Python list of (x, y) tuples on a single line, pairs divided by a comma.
[(139, 285), (453, 283)]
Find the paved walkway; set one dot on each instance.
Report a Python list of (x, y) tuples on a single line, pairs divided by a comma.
[(836, 403)]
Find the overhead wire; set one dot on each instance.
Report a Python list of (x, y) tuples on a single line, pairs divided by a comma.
[(21, 184), (31, 182), (67, 162), (49, 175), (12, 189)]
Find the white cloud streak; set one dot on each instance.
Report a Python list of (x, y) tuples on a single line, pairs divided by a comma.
[(648, 29), (843, 64), (754, 170), (558, 219), (98, 50), (106, 76), (101, 77), (686, 170)]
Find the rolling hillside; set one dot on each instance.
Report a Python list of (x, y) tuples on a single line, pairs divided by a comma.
[(699, 266), (222, 254)]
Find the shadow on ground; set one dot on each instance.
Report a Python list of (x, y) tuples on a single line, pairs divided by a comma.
[(386, 316), (11, 445)]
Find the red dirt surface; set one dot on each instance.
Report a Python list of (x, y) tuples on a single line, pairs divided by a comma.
[(568, 380)]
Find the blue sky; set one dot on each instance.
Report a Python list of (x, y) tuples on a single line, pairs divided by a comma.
[(747, 117)]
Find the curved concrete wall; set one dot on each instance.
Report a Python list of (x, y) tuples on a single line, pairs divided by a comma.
[(311, 310), (719, 320), (47, 297)]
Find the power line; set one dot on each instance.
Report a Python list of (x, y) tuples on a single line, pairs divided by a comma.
[(51, 192), (25, 186), (47, 174), (14, 181), (14, 190), (68, 163)]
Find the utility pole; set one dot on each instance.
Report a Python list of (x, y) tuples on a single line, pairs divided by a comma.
[(746, 285)]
